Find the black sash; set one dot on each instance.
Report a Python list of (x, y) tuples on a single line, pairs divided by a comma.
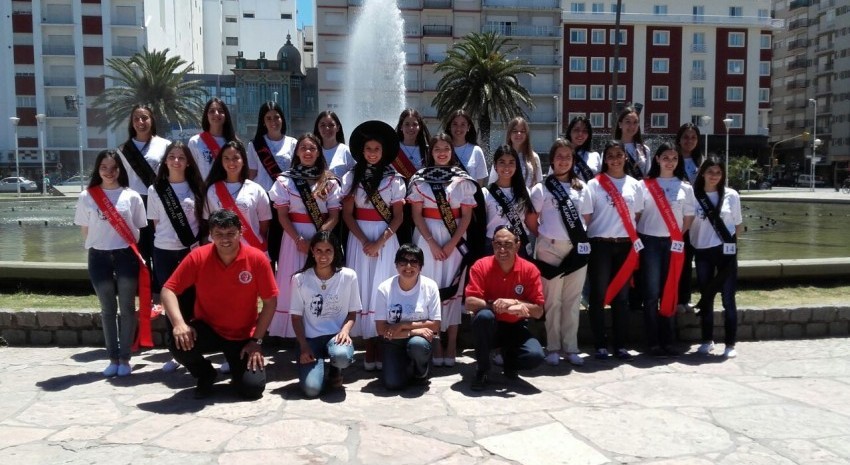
[(509, 212), (632, 168), (175, 213), (380, 206), (138, 163), (267, 157), (712, 214), (310, 203), (578, 236), (581, 168)]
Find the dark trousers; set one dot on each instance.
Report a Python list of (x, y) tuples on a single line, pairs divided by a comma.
[(654, 266), (520, 350), (248, 384), (166, 262), (274, 238), (686, 280), (145, 245), (709, 262), (606, 258)]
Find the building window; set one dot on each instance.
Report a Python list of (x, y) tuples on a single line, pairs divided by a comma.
[(765, 41), (699, 13), (734, 94), (612, 37), (737, 120), (229, 19), (764, 95), (597, 120), (735, 66), (231, 60), (698, 97), (622, 67), (661, 38), (597, 64), (577, 7), (598, 8), (614, 8), (578, 36), (659, 9), (597, 92), (286, 16), (736, 11), (247, 15), (659, 120), (621, 92), (660, 93), (736, 39), (764, 68), (763, 13), (597, 36), (578, 92), (231, 41), (661, 65), (578, 64)]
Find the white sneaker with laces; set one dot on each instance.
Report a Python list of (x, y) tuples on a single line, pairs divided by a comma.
[(553, 358), (730, 352), (705, 348), (575, 359), (170, 366), (224, 368)]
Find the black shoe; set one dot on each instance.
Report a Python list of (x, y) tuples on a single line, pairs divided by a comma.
[(420, 381), (480, 381), (510, 374), (657, 352), (623, 355), (204, 387), (671, 351)]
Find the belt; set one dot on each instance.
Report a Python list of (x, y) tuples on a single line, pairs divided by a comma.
[(367, 214), (304, 218), (615, 240), (434, 213)]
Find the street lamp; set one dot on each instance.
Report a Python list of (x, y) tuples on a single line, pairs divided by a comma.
[(727, 122), (557, 117), (705, 120), (72, 102), (274, 97), (804, 135), (15, 120), (814, 140), (41, 118)]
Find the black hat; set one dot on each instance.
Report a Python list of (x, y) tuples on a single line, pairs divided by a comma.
[(374, 130)]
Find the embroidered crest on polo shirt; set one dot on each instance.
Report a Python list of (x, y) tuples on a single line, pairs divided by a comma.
[(245, 277), (518, 289)]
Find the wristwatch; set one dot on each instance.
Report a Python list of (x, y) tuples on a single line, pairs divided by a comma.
[(258, 340)]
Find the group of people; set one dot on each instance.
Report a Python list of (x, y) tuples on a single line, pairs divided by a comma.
[(393, 237)]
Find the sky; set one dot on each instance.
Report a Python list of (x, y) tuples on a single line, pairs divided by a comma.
[(305, 12)]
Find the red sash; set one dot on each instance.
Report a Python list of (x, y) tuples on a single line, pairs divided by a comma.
[(143, 338), (631, 263), (229, 203), (211, 144), (670, 297), (403, 165)]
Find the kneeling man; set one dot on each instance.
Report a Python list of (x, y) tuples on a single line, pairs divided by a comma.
[(228, 277), (503, 292)]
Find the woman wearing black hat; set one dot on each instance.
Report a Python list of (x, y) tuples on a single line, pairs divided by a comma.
[(373, 211)]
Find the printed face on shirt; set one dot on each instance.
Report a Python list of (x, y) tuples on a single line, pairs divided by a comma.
[(226, 240), (562, 160), (372, 151), (273, 122), (629, 125), (688, 141), (394, 314), (141, 121), (578, 134), (317, 304), (442, 153)]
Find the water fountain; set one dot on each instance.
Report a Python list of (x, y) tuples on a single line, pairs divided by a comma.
[(374, 76)]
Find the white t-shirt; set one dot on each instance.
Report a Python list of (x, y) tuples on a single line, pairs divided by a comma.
[(593, 161), (340, 160), (421, 303), (472, 158), (324, 310), (679, 194), (605, 221), (282, 151), (529, 174), (153, 153), (101, 234), (550, 223), (702, 234), (202, 154), (165, 237), (495, 215), (250, 199)]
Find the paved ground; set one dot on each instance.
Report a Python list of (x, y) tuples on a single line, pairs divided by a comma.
[(779, 402)]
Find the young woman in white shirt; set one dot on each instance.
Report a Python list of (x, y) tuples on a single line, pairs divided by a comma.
[(518, 137), (629, 134), (328, 128), (465, 144), (688, 143), (587, 161), (217, 129), (510, 187)]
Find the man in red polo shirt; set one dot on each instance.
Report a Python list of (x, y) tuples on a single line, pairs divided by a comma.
[(503, 291), (228, 279)]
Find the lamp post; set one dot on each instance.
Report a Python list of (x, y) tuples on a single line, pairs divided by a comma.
[(727, 122), (557, 117), (814, 140), (705, 120), (15, 120), (274, 97), (41, 118), (804, 135)]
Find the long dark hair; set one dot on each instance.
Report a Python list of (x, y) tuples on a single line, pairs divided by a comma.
[(261, 119), (374, 183), (321, 163), (192, 174), (429, 157), (618, 133), (329, 237), (559, 143), (96, 180), (584, 120), (340, 136), (471, 135), (217, 171), (655, 167), (521, 197), (611, 144), (696, 155), (141, 106), (699, 182), (228, 132), (424, 135)]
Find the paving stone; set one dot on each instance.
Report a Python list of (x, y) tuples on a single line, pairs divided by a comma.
[(549, 444), (836, 328), (25, 320), (41, 337), (198, 435), (385, 445), (288, 433), (792, 331), (49, 319), (15, 435), (753, 454), (788, 421), (824, 314), (817, 329), (800, 315), (804, 451), (14, 337), (838, 444), (81, 320)]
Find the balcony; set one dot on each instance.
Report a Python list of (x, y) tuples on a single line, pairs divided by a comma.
[(60, 111), (798, 4), (608, 18), (698, 48), (412, 85), (523, 4), (57, 17), (797, 84), (436, 30), (125, 20), (409, 4), (63, 50), (434, 57), (825, 47), (697, 75), (60, 81), (799, 63), (827, 68), (541, 89), (437, 4), (412, 30), (118, 51), (514, 30), (539, 59), (430, 84), (798, 43), (698, 102)]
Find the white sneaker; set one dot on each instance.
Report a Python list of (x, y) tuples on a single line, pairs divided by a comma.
[(170, 366), (224, 368), (575, 359), (498, 360), (449, 361), (705, 348), (553, 358), (730, 352)]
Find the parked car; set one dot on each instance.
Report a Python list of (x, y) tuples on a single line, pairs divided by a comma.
[(10, 184), (75, 181)]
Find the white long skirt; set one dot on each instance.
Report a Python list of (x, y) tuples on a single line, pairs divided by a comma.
[(443, 272), (371, 271), (290, 261)]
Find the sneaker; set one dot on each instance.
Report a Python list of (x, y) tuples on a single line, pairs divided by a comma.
[(510, 374), (449, 361), (370, 366), (602, 354), (170, 366), (479, 383), (553, 358), (438, 361), (224, 368), (671, 351), (111, 370), (498, 360), (204, 386), (574, 359), (656, 352), (124, 369), (624, 354), (730, 352), (705, 348)]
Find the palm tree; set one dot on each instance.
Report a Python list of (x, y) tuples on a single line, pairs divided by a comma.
[(480, 79), (152, 78)]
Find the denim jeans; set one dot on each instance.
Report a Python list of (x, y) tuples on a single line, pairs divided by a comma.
[(248, 384), (404, 358), (165, 262), (654, 265), (520, 350), (606, 258), (114, 275), (708, 263), (311, 376)]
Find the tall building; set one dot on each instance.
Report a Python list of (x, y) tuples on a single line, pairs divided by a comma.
[(811, 75)]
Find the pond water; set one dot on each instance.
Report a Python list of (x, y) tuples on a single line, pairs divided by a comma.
[(775, 230)]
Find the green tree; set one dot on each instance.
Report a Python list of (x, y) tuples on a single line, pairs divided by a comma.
[(482, 80), (152, 78), (742, 170)]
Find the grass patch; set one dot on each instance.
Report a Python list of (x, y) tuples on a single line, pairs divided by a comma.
[(21, 300)]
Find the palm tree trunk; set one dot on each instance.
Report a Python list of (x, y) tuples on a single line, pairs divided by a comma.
[(484, 125)]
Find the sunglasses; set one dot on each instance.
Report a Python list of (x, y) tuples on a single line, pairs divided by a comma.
[(408, 261)]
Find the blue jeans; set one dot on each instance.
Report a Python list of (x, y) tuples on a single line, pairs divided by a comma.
[(520, 350), (404, 358), (114, 275), (708, 263), (165, 262), (311, 376), (606, 258), (654, 265)]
